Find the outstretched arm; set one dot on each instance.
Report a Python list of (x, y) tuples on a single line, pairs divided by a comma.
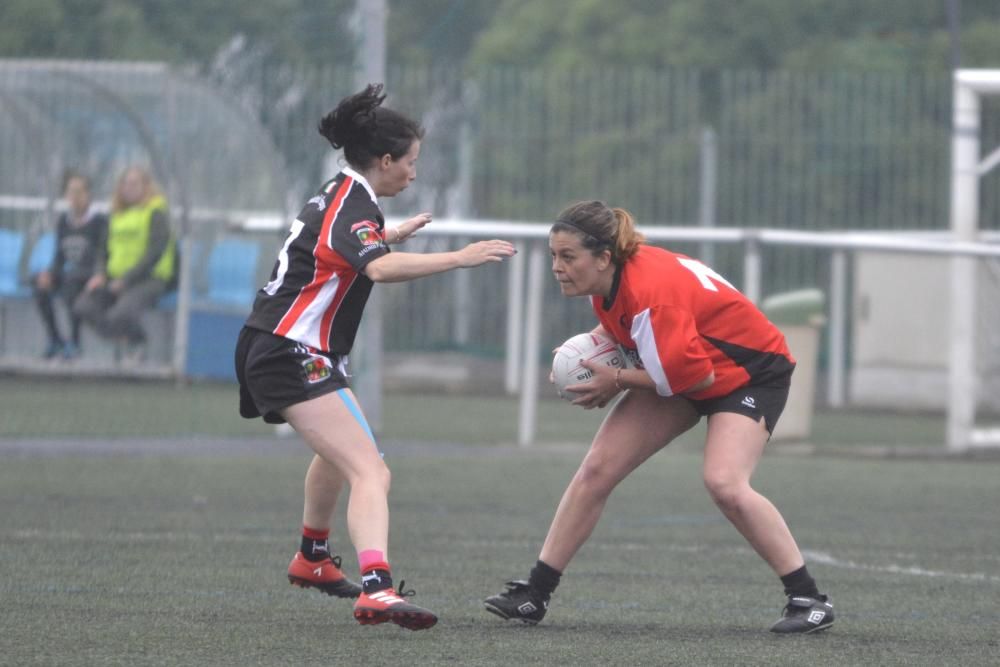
[(399, 266), (407, 229)]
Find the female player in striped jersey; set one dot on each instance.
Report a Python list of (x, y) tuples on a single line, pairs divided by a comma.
[(701, 349), (291, 354)]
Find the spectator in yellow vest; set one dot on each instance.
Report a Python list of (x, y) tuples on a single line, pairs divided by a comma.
[(139, 266)]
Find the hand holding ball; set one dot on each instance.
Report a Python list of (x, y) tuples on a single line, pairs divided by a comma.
[(567, 369)]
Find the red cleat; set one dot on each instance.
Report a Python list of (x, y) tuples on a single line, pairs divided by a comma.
[(387, 605), (324, 575)]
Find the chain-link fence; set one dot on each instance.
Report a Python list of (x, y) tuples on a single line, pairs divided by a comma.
[(238, 153)]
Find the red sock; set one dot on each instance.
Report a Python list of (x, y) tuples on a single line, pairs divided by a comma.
[(315, 534)]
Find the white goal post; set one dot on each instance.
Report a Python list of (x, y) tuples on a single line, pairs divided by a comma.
[(967, 167)]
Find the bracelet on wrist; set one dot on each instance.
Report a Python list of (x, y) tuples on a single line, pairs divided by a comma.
[(618, 380)]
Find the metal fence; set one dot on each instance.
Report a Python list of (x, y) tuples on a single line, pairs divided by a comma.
[(238, 153)]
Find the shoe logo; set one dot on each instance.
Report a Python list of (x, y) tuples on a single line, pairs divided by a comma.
[(385, 597), (527, 608), (318, 571), (749, 402), (816, 617)]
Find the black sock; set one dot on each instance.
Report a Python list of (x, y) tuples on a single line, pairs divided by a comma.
[(315, 550), (800, 583), (544, 579), (376, 580)]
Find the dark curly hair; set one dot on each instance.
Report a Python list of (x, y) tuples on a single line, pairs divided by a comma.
[(366, 130)]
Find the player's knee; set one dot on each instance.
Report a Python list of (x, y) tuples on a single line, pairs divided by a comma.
[(726, 491), (595, 478), (385, 477), (378, 475)]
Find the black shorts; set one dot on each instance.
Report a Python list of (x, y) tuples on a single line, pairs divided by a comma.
[(275, 372), (754, 401)]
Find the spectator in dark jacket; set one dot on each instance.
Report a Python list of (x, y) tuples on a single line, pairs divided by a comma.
[(81, 235)]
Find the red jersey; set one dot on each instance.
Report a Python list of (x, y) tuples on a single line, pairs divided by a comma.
[(318, 289), (683, 320)]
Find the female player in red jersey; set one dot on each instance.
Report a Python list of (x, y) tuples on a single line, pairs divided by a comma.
[(292, 352), (700, 349)]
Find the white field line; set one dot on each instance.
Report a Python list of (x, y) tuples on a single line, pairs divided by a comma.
[(891, 568), (811, 556)]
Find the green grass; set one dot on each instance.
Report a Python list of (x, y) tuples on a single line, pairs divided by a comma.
[(92, 408), (180, 561)]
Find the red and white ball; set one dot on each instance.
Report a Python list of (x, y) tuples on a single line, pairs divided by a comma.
[(566, 368)]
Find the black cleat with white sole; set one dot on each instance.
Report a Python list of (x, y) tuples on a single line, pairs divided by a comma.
[(519, 602), (803, 615)]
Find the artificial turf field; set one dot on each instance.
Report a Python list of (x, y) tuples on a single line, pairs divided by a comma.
[(172, 551)]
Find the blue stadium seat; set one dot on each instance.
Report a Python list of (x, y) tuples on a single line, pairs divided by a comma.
[(42, 253), (232, 273), (168, 301), (11, 247)]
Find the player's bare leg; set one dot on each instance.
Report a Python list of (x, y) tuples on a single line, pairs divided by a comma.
[(333, 426), (329, 428), (733, 447), (314, 565), (322, 488), (639, 425)]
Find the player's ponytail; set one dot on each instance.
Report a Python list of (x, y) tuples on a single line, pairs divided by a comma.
[(366, 130), (601, 228), (627, 238)]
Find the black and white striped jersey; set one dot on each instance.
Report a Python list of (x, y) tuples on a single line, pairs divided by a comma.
[(318, 290)]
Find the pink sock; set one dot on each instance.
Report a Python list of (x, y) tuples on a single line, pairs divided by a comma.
[(372, 559)]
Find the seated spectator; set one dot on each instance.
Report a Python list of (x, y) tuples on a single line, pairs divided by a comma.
[(81, 234), (139, 267)]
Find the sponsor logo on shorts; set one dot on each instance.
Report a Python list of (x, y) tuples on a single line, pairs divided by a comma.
[(749, 402), (316, 369)]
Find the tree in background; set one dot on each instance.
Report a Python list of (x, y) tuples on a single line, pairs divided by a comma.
[(750, 34), (753, 34), (586, 97)]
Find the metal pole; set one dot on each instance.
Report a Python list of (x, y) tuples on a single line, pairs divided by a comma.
[(185, 281), (532, 343), (955, 32), (836, 394), (964, 223), (371, 16), (751, 269), (462, 307), (707, 190), (515, 319), (462, 205)]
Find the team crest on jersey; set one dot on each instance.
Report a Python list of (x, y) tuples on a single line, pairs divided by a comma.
[(316, 369), (367, 232)]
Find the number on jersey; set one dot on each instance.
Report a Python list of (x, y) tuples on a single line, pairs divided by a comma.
[(704, 274)]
